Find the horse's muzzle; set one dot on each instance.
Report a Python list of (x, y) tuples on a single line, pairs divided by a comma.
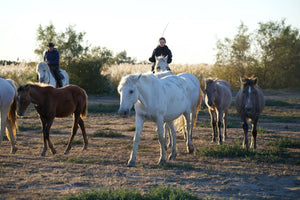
[(20, 113), (124, 113)]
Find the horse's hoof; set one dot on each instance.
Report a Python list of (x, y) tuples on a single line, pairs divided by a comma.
[(130, 164), (66, 152), (53, 151), (172, 156), (190, 150), (84, 148), (13, 150), (43, 154), (162, 162)]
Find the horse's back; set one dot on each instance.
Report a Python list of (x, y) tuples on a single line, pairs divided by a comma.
[(225, 92), (7, 92)]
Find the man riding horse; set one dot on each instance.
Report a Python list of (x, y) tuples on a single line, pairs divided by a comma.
[(52, 59)]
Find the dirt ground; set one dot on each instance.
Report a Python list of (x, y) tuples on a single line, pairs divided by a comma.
[(27, 175)]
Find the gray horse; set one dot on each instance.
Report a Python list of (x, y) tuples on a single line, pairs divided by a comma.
[(218, 100), (249, 103)]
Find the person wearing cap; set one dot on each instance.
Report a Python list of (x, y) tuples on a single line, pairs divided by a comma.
[(161, 50), (52, 59)]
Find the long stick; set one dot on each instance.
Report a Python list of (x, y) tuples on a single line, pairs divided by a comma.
[(165, 30)]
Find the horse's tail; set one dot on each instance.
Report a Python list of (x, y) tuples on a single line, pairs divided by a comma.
[(12, 114), (84, 112), (198, 105)]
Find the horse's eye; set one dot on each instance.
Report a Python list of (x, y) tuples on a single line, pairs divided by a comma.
[(131, 91)]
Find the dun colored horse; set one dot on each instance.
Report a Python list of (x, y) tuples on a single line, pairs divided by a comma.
[(8, 108), (249, 103), (51, 102), (218, 100)]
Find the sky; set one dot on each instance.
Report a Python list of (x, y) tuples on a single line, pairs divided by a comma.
[(192, 27)]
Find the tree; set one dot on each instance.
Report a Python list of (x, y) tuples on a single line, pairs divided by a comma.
[(122, 58), (280, 54), (233, 57)]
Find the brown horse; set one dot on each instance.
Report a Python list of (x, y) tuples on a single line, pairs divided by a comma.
[(249, 103), (218, 100), (51, 102)]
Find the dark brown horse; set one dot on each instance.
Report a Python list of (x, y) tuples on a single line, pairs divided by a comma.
[(249, 103), (51, 102)]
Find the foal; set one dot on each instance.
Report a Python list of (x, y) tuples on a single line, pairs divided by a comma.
[(218, 100), (51, 102), (249, 104)]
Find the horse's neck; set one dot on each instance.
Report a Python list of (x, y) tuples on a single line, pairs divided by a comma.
[(36, 94), (146, 95)]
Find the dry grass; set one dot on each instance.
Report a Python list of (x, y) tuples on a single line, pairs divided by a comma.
[(26, 175), (116, 72), (20, 73)]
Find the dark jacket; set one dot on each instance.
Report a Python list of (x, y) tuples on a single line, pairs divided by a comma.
[(158, 51), (52, 57)]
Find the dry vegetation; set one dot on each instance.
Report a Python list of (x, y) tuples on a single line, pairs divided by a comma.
[(271, 172)]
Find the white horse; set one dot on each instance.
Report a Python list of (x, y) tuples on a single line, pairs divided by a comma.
[(8, 108), (161, 70), (159, 100), (45, 75)]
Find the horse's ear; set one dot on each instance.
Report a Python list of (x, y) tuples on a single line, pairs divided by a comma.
[(137, 78), (216, 79), (254, 81), (242, 79), (166, 58)]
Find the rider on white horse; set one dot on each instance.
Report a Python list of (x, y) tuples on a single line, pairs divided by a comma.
[(52, 59)]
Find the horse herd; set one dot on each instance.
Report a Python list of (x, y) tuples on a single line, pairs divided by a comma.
[(163, 97)]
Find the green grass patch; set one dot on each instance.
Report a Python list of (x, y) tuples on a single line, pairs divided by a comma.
[(79, 160), (285, 143), (272, 102), (203, 124), (155, 193), (184, 166), (273, 154), (106, 133), (282, 119), (103, 108), (74, 142), (29, 127), (131, 128)]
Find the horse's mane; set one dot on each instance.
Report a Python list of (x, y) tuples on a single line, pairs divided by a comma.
[(43, 66), (22, 87), (249, 81)]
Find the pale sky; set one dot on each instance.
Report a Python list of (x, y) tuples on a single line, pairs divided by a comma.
[(194, 26)]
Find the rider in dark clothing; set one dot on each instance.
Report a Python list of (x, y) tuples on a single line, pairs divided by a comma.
[(52, 58), (163, 50)]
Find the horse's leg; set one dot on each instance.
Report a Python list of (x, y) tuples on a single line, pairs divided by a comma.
[(213, 124), (190, 147), (167, 135), (76, 117), (173, 140), (245, 128), (139, 121), (219, 124), (254, 134), (11, 135), (193, 118), (85, 140), (47, 133), (4, 112), (161, 139), (44, 135), (225, 125)]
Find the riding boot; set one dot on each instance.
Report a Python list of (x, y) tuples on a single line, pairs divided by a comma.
[(59, 82)]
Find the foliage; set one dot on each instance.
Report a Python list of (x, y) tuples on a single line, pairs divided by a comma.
[(155, 193), (271, 53), (109, 134), (103, 108)]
